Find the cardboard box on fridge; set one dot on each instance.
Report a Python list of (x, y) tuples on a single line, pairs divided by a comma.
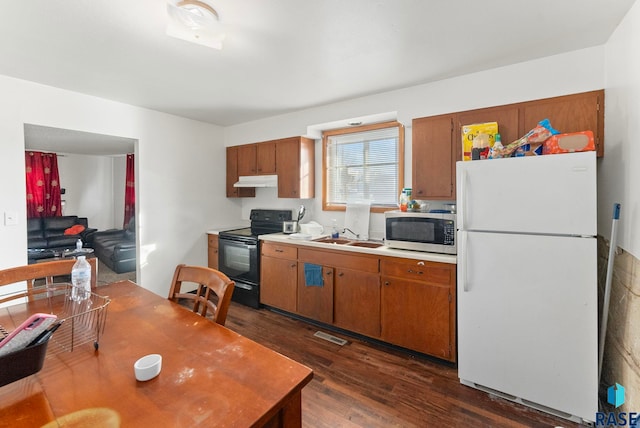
[(569, 143), (469, 132)]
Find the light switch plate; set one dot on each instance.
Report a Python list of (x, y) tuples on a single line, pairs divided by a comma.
[(10, 218)]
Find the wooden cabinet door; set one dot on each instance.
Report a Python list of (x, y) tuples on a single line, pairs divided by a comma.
[(433, 158), (213, 251), (288, 167), (570, 113), (416, 315), (247, 159), (506, 117), (266, 158), (278, 283), (316, 301), (356, 301), (232, 176), (295, 166)]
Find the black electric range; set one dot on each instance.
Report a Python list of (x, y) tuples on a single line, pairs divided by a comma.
[(239, 253)]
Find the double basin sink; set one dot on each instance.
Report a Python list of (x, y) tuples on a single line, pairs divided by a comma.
[(349, 242)]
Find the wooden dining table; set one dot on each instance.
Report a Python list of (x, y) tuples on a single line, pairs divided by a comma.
[(210, 377)]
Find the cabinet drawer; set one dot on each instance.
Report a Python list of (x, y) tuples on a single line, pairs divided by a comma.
[(279, 251), (213, 241), (418, 270), (339, 259)]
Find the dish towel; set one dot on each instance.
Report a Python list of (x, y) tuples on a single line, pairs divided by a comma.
[(313, 275)]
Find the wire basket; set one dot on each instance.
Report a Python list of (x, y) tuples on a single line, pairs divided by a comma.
[(83, 321)]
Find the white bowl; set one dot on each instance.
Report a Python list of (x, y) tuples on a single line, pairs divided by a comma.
[(148, 367)]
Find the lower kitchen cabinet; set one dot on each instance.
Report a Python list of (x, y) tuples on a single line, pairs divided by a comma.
[(418, 306), (405, 302), (212, 252), (356, 301), (278, 273), (315, 289)]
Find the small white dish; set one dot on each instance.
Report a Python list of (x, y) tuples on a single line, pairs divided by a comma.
[(148, 367)]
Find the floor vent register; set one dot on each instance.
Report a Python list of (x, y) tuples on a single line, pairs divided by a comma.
[(330, 338)]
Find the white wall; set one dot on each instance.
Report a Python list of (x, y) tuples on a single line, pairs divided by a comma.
[(574, 72), (619, 176), (88, 181), (180, 170)]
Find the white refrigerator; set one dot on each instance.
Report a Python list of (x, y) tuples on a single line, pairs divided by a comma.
[(527, 281)]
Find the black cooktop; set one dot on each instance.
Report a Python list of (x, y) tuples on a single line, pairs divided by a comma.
[(262, 223)]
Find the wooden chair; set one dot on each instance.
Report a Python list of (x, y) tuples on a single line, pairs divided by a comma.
[(211, 283), (44, 270)]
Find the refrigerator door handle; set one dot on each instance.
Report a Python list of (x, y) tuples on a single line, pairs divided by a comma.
[(462, 203), (462, 259)]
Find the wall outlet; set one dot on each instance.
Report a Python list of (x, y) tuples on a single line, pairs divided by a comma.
[(10, 218)]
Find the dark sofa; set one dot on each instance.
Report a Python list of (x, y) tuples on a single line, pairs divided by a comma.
[(116, 248), (48, 233)]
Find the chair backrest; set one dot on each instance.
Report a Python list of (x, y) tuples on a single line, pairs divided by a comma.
[(44, 270), (211, 283)]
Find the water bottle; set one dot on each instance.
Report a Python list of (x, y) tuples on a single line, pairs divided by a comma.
[(335, 233), (81, 280)]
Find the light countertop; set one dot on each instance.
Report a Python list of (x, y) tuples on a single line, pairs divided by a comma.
[(217, 230), (381, 251)]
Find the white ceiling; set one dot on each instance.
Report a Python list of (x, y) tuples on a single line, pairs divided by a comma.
[(47, 139), (284, 55)]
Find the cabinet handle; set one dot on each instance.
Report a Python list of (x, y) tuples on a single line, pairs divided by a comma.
[(278, 250), (386, 283), (293, 265), (420, 263), (341, 274), (329, 273), (419, 272)]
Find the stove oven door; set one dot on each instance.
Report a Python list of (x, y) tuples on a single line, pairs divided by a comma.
[(239, 260)]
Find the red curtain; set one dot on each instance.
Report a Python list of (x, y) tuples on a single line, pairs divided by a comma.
[(129, 191), (43, 185)]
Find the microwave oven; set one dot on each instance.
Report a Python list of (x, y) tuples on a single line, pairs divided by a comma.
[(418, 231)]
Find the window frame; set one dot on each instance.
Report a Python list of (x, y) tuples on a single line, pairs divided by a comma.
[(326, 206)]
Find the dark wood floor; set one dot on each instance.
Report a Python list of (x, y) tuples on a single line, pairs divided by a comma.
[(368, 385)]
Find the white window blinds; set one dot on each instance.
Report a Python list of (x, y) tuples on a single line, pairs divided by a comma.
[(363, 165)]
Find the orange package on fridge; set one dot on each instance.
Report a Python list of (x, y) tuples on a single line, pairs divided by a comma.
[(469, 132), (569, 143)]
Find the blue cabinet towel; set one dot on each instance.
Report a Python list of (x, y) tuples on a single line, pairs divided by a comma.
[(313, 275)]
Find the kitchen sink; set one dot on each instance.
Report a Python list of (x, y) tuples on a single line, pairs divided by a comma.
[(349, 242), (329, 240), (366, 244)]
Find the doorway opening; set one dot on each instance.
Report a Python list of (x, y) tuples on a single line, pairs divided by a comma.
[(92, 170)]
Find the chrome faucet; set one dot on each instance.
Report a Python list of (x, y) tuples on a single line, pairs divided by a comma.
[(346, 229)]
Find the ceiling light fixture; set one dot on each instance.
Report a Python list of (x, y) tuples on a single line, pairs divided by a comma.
[(195, 21)]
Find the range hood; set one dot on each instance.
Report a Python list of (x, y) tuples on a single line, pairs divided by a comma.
[(257, 181)]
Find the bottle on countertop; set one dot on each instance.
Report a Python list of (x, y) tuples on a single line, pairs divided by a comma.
[(335, 233), (81, 280), (79, 244), (405, 199)]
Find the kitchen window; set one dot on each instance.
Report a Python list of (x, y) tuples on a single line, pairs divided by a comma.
[(365, 162)]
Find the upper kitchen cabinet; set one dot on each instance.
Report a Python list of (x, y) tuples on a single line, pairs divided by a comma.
[(232, 176), (433, 159), (257, 159), (247, 159), (505, 116), (437, 140), (266, 158), (295, 167), (570, 113)]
